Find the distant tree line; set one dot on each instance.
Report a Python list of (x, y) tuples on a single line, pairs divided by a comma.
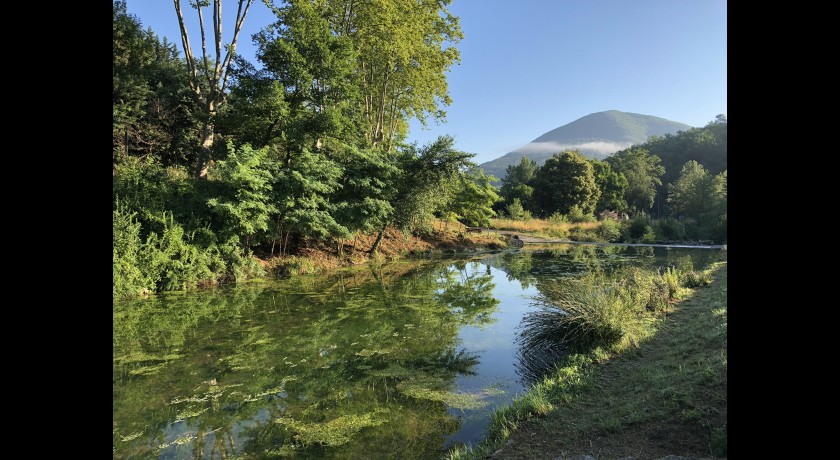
[(679, 179)]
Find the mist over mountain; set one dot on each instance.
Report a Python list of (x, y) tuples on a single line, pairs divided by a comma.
[(597, 135)]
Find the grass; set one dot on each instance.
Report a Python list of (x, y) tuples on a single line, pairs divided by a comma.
[(540, 227), (666, 395)]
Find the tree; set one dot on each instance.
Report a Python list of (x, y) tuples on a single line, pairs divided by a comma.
[(248, 208), (698, 197), (516, 180), (613, 186), (474, 198), (308, 54), (302, 191), (209, 86), (424, 184), (566, 179), (643, 172), (361, 70), (153, 111)]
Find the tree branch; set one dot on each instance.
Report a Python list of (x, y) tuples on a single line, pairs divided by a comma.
[(204, 47), (240, 19), (185, 41)]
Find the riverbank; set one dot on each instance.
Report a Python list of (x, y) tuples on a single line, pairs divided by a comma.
[(446, 238), (666, 397)]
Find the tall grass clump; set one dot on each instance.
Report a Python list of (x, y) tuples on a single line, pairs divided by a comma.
[(581, 314), (696, 278), (599, 310)]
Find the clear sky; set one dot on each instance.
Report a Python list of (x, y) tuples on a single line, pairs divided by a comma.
[(529, 66)]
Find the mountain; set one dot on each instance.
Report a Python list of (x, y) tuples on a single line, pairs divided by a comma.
[(597, 135)]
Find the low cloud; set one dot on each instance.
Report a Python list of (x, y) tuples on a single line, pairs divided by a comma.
[(601, 147)]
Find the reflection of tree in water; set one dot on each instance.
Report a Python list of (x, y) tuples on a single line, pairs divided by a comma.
[(346, 366)]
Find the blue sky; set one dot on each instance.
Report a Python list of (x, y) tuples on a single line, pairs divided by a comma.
[(529, 66)]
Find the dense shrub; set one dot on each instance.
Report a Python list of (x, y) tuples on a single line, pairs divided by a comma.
[(609, 230)]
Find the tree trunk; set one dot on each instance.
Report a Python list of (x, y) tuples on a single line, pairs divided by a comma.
[(378, 240)]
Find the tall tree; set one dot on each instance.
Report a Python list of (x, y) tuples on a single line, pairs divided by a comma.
[(517, 178), (643, 172), (613, 186), (696, 194), (154, 115), (210, 85), (566, 179), (361, 69)]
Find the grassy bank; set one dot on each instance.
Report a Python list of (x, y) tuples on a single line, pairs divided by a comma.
[(664, 395)]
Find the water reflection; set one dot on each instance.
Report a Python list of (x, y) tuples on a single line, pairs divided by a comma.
[(397, 361)]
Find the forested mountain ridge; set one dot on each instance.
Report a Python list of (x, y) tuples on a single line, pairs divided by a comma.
[(596, 136)]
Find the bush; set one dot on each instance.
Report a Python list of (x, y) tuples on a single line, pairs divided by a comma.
[(558, 218), (695, 278), (639, 230), (515, 210), (672, 281), (577, 216), (558, 232), (670, 229), (172, 262), (578, 233), (129, 280), (609, 230), (294, 265)]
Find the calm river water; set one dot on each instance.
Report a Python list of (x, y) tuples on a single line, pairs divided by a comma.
[(400, 361)]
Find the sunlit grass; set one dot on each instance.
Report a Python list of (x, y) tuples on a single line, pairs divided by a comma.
[(681, 375), (539, 225)]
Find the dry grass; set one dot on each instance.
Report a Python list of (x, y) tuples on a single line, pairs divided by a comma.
[(539, 226)]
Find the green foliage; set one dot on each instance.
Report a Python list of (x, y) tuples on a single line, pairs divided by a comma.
[(517, 179), (362, 201), (558, 218), (696, 278), (129, 280), (172, 263), (356, 72), (153, 108), (302, 194), (643, 172), (639, 231), (707, 146), (294, 265), (427, 182), (515, 210), (577, 215), (613, 186), (248, 206), (168, 259), (699, 200), (474, 198), (593, 310), (670, 229), (609, 230), (671, 276), (565, 180)]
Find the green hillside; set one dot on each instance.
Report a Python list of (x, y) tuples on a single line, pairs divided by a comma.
[(596, 135)]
